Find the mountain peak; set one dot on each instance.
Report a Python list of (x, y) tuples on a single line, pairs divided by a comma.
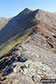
[(27, 10)]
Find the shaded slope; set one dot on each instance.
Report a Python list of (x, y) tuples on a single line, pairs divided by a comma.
[(17, 27)]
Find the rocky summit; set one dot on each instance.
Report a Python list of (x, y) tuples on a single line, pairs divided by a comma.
[(33, 58)]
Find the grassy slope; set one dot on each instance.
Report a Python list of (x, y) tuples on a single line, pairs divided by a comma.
[(9, 46)]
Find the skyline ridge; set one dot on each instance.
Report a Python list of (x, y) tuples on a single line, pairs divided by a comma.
[(10, 8)]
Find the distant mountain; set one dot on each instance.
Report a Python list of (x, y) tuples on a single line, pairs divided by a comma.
[(26, 22), (3, 22), (1, 18)]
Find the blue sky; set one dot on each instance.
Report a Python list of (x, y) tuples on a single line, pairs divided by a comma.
[(9, 8)]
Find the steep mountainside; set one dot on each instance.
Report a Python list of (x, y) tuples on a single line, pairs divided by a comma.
[(17, 27), (28, 48)]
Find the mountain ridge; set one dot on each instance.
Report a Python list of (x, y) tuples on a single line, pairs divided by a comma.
[(25, 20), (28, 48)]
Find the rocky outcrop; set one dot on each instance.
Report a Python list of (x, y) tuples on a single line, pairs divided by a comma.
[(29, 62)]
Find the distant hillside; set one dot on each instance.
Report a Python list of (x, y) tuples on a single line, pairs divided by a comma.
[(3, 22)]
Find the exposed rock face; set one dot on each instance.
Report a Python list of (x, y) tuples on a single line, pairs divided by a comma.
[(35, 59), (40, 61)]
